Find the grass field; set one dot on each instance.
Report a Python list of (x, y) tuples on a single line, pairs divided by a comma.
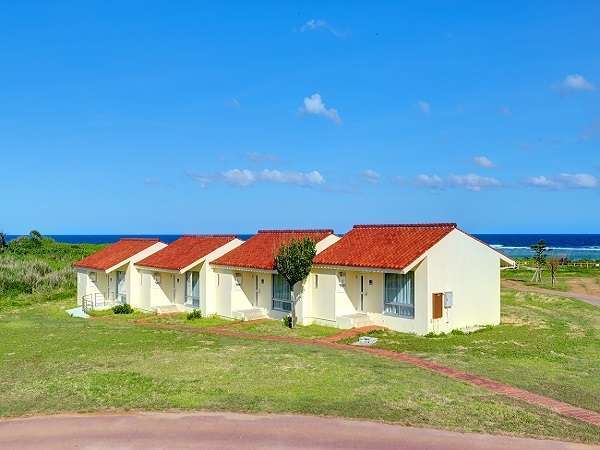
[(565, 276), (547, 345), (51, 363)]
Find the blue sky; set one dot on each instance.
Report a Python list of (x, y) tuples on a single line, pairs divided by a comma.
[(183, 117)]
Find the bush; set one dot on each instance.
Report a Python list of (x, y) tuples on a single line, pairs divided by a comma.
[(287, 321), (194, 314), (122, 309)]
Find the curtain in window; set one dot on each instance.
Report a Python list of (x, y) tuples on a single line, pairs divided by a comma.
[(399, 294), (192, 288), (281, 293), (121, 291)]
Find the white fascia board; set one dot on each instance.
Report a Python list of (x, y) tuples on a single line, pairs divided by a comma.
[(157, 269), (118, 266), (242, 269), (195, 263), (358, 269)]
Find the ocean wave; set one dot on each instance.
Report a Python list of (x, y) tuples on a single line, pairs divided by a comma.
[(593, 248)]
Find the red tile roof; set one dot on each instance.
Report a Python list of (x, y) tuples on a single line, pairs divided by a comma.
[(185, 251), (260, 250), (116, 253), (383, 246)]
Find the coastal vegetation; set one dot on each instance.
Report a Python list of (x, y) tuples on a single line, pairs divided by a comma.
[(34, 268)]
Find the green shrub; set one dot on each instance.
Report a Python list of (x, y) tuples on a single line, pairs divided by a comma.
[(122, 309), (287, 321), (194, 314)]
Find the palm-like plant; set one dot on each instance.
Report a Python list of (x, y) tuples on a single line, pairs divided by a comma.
[(35, 235), (3, 241)]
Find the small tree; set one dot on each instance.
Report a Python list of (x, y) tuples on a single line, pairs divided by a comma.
[(539, 256), (553, 264), (3, 241), (35, 236), (293, 263)]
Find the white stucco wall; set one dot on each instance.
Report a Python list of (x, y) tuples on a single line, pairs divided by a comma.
[(471, 270), (97, 290)]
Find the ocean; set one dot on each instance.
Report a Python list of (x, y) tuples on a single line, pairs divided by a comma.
[(572, 246)]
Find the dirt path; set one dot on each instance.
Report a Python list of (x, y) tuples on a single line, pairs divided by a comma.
[(231, 431), (522, 287)]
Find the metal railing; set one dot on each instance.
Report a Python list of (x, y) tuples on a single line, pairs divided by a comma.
[(97, 300)]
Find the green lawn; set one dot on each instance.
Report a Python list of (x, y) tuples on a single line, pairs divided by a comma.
[(547, 345), (277, 328), (266, 327), (181, 320), (51, 363), (564, 275)]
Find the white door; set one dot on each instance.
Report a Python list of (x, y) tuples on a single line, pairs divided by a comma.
[(364, 290), (256, 290)]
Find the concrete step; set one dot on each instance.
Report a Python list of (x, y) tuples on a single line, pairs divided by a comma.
[(357, 320), (250, 314), (167, 309)]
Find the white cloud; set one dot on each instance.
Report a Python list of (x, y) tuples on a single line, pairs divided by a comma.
[(371, 176), (315, 105), (542, 181), (261, 157), (320, 24), (424, 106), (565, 181), (239, 177), (246, 177), (576, 82), (505, 111), (473, 182), (483, 161), (430, 181), (312, 178), (233, 103), (202, 180)]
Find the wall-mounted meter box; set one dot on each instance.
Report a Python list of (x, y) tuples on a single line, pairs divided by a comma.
[(448, 299)]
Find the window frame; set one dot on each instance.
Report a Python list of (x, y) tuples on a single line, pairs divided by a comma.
[(189, 298), (398, 308), (277, 303)]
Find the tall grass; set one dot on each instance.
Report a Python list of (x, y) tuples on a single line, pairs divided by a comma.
[(27, 276)]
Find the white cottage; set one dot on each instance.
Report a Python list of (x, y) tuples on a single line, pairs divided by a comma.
[(248, 286), (110, 277), (411, 278), (180, 276)]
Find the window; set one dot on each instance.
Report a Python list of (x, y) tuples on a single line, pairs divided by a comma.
[(316, 280), (282, 299), (192, 289), (121, 291), (399, 295)]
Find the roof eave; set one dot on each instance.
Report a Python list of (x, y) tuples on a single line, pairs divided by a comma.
[(360, 268), (242, 268)]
